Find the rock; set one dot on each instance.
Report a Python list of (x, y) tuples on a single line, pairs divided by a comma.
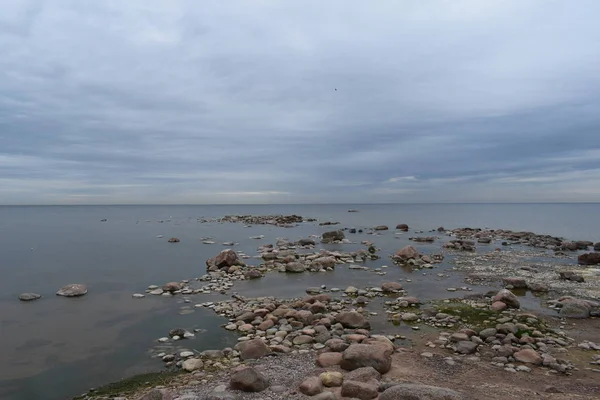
[(360, 390), (528, 356), (226, 258), (331, 378), (364, 374), (295, 267), (156, 292), (72, 290), (177, 332), (29, 296), (311, 386), (336, 345), (173, 240), (324, 396), (352, 320), (489, 332), (538, 287), (171, 287), (508, 298), (253, 349), (221, 395), (326, 360), (589, 258), (597, 246), (332, 236), (138, 295), (571, 276), (192, 364), (253, 274), (517, 283), (406, 253), (367, 355), (302, 339), (248, 380), (575, 310), (391, 287), (157, 394), (415, 391), (306, 242), (466, 347), (498, 306), (402, 227), (381, 228), (484, 240)]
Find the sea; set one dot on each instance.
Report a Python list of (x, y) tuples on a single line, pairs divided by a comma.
[(56, 348)]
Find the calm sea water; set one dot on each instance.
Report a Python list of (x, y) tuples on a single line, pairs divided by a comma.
[(55, 347)]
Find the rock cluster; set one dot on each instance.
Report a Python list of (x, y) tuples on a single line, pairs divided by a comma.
[(408, 255), (285, 221)]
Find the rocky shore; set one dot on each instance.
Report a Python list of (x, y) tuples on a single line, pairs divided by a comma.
[(323, 346)]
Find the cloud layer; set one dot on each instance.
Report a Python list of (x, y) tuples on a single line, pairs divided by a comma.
[(147, 101)]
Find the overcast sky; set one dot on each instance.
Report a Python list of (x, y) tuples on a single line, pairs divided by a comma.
[(148, 101)]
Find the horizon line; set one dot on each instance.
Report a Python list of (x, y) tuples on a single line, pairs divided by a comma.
[(290, 204)]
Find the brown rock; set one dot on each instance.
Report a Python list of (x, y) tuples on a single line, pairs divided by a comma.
[(508, 298), (367, 355), (311, 386), (498, 306), (226, 258), (391, 287), (402, 227), (172, 287), (528, 356), (253, 349), (406, 253), (360, 390), (589, 258), (364, 374), (326, 360), (336, 345), (352, 320), (517, 283)]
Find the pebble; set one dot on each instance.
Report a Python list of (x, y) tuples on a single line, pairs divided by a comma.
[(138, 296)]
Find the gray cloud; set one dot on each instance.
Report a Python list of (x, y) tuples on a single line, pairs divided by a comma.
[(182, 102)]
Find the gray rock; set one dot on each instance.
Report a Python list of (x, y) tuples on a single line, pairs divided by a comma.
[(352, 320), (29, 296), (295, 267), (311, 386), (360, 390), (507, 297), (575, 310), (409, 391), (332, 236), (248, 380), (324, 396), (466, 347), (253, 349), (367, 355), (72, 290)]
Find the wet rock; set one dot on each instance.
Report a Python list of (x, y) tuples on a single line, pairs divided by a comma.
[(406, 391), (331, 378), (253, 274), (571, 276), (589, 259), (508, 298), (528, 356), (421, 239), (538, 287), (406, 253), (173, 240), (253, 349), (367, 355), (225, 259), (295, 267), (311, 386), (306, 242), (517, 283), (332, 236), (360, 390), (402, 227), (352, 320), (391, 287), (29, 296), (171, 287), (72, 290), (248, 380), (381, 228)]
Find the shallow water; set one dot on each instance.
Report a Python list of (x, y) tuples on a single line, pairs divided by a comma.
[(55, 347)]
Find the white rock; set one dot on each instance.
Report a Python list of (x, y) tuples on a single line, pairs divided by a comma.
[(186, 354), (163, 339), (157, 292), (138, 296), (192, 364)]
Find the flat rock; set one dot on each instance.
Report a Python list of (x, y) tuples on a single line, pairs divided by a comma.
[(528, 356), (29, 296), (72, 290), (326, 360)]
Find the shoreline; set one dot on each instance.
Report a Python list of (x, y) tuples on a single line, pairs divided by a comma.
[(343, 301)]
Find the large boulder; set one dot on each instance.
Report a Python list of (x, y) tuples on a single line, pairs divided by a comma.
[(72, 290), (575, 309), (248, 380), (352, 320), (253, 349), (597, 246), (367, 355), (171, 287), (226, 258), (406, 253), (332, 236), (507, 297), (391, 287), (402, 227), (415, 391), (589, 258), (311, 386), (364, 374), (528, 356), (360, 390)]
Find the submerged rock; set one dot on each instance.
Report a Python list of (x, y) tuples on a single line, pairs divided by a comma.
[(72, 290), (29, 296)]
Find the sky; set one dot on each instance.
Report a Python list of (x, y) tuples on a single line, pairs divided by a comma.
[(193, 102)]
